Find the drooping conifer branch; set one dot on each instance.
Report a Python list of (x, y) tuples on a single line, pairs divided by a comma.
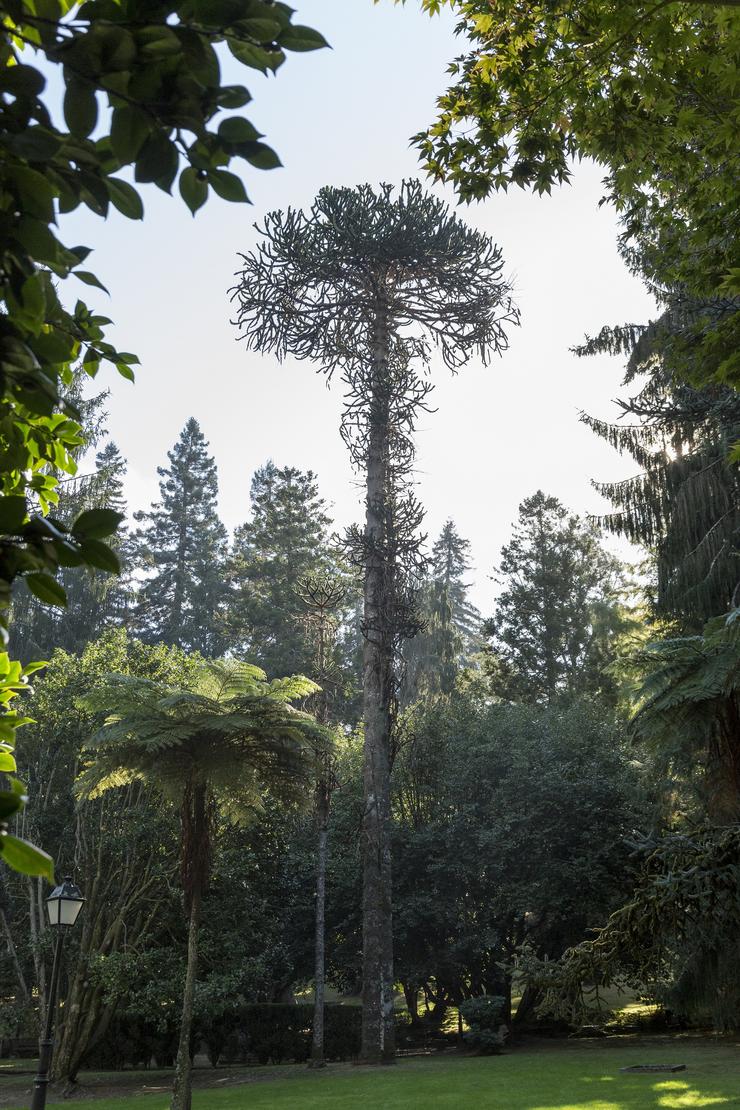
[(685, 503)]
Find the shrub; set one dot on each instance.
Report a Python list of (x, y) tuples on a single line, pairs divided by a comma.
[(342, 1032), (486, 1031)]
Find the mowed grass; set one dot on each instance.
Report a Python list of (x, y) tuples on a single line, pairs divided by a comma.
[(567, 1076)]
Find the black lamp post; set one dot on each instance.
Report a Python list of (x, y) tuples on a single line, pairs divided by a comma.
[(62, 907)]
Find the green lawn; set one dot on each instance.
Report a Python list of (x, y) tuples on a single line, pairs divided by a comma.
[(569, 1076)]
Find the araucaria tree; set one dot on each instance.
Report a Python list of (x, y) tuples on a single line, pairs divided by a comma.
[(365, 283)]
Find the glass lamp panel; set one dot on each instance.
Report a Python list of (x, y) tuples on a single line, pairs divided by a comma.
[(52, 910), (69, 908)]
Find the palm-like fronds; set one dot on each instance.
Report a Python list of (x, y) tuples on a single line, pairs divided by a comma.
[(689, 706), (235, 733)]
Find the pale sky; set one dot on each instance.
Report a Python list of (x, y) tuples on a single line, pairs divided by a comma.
[(345, 117)]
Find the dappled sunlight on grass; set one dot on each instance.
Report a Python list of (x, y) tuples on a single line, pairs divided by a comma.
[(680, 1094), (691, 1098), (598, 1105)]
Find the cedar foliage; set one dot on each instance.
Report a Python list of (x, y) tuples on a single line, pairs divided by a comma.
[(675, 937)]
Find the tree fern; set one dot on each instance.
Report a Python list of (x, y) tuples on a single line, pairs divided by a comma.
[(688, 710), (221, 744)]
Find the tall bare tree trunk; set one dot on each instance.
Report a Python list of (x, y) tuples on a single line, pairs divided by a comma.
[(320, 598), (12, 952), (377, 673), (36, 921), (317, 1043)]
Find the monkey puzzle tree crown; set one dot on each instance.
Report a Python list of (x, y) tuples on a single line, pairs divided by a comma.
[(316, 282)]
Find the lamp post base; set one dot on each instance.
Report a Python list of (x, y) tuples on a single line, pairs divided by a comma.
[(46, 1044), (41, 1082)]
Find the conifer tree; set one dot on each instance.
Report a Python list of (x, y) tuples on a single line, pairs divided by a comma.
[(97, 600), (361, 283), (557, 580), (451, 563), (181, 549), (286, 537), (684, 504), (451, 632)]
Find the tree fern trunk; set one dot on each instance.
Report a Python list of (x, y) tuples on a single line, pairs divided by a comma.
[(181, 1091), (195, 865), (377, 672)]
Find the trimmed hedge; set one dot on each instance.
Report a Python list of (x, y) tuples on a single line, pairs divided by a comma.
[(276, 1033), (132, 1042), (261, 1033)]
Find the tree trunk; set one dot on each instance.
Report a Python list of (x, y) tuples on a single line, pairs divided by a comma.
[(377, 674), (323, 804), (195, 867), (181, 1090), (25, 993), (411, 994), (36, 921), (317, 1044), (526, 1015)]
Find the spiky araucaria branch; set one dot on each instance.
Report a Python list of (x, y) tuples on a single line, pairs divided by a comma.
[(312, 286)]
